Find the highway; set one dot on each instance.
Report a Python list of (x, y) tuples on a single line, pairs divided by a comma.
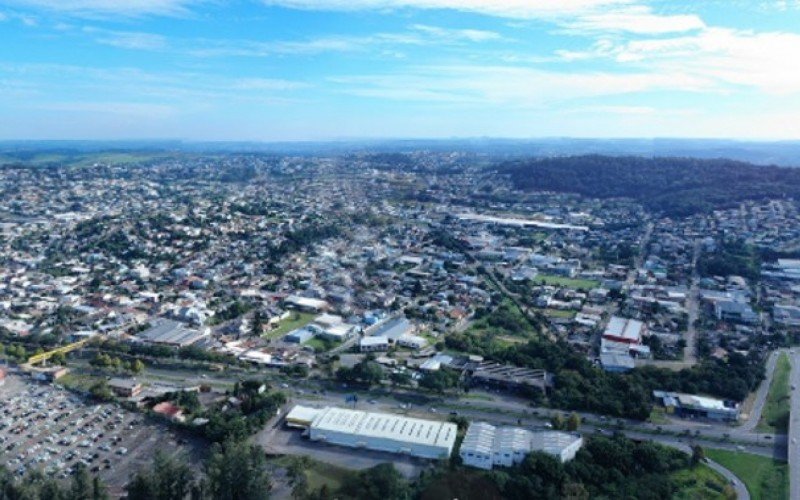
[(794, 430)]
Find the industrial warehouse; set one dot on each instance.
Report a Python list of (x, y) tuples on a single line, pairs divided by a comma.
[(486, 446), (376, 431)]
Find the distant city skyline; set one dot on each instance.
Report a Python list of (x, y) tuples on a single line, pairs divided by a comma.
[(285, 70)]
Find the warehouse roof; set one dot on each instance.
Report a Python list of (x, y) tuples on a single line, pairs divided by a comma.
[(553, 442), (387, 426), (479, 438), (171, 332), (623, 328)]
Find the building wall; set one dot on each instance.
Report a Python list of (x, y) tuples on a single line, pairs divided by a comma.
[(379, 444)]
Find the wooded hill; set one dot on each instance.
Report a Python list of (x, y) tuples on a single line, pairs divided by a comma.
[(671, 186)]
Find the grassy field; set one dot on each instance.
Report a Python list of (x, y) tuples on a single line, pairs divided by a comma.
[(78, 381), (565, 282), (558, 313), (700, 482), (320, 345), (765, 478), (775, 417), (316, 473), (293, 322)]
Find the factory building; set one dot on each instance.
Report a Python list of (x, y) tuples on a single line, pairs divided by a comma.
[(171, 333), (486, 446), (377, 431), (691, 406)]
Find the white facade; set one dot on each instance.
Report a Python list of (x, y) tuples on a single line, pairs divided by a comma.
[(478, 446), (486, 446), (372, 344), (384, 432), (561, 445)]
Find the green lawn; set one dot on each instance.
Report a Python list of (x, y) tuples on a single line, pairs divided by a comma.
[(558, 313), (700, 482), (765, 478), (775, 417), (321, 345), (565, 282), (293, 322)]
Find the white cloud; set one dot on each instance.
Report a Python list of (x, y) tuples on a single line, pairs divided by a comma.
[(520, 9), (110, 7), (511, 85), (732, 58), (417, 35), (129, 39), (454, 35), (261, 84), (637, 20)]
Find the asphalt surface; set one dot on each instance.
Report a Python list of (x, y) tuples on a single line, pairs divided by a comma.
[(761, 394), (794, 429)]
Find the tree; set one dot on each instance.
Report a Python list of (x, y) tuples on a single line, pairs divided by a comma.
[(438, 381), (400, 378), (237, 471), (573, 422), (381, 482), (557, 421), (698, 455), (81, 486), (166, 479), (101, 391), (137, 366)]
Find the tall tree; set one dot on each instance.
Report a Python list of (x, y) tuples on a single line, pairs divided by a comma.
[(237, 471)]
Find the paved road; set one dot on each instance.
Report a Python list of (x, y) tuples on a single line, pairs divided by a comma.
[(639, 260), (693, 306), (738, 485), (761, 394), (794, 430)]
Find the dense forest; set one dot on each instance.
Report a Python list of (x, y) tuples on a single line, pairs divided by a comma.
[(671, 186)]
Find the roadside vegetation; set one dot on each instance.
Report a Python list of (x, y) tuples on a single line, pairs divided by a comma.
[(775, 416), (765, 478)]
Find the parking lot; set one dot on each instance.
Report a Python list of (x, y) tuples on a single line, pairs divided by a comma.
[(48, 428)]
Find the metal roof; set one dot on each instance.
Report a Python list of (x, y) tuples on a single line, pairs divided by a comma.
[(386, 426)]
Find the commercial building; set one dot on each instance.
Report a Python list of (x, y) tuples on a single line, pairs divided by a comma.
[(171, 333), (628, 331), (562, 445), (125, 387), (299, 336), (508, 376), (301, 417), (486, 446), (689, 405), (379, 431), (373, 344), (306, 304), (621, 343)]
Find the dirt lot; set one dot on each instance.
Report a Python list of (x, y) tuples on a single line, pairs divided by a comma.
[(48, 428)]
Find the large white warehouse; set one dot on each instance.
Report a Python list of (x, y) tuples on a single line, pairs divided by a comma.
[(384, 432), (485, 445)]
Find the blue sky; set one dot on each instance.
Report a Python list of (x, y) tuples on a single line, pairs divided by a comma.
[(340, 69)]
